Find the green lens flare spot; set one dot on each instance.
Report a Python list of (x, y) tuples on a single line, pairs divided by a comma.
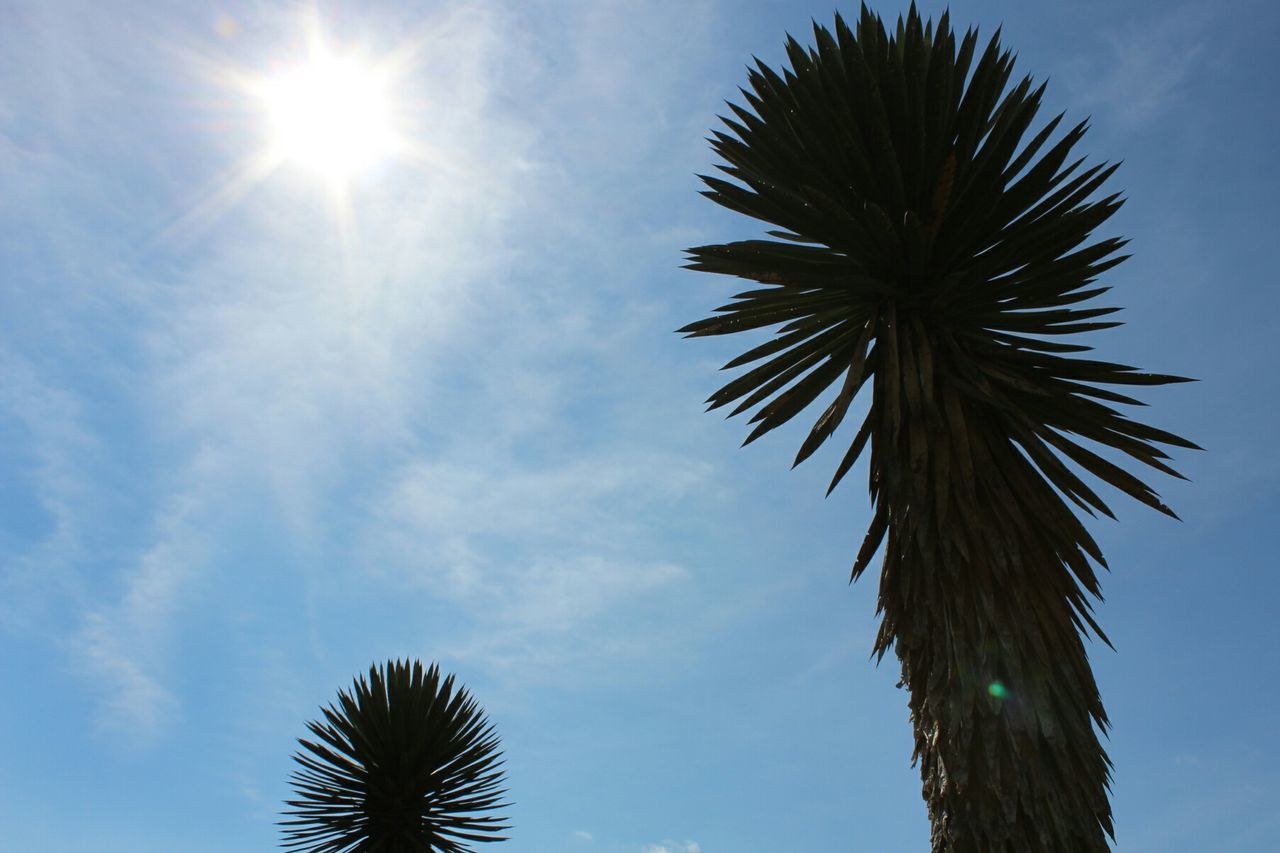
[(997, 690)]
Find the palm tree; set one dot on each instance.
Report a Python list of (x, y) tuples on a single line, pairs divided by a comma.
[(924, 249), (404, 764)]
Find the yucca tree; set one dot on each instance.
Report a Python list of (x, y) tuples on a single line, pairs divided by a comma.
[(404, 763), (926, 247)]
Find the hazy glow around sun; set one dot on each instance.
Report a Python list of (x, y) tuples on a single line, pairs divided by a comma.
[(333, 113), (330, 115)]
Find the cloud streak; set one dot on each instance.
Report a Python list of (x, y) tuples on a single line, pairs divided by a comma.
[(1144, 68), (54, 447), (536, 555), (672, 847)]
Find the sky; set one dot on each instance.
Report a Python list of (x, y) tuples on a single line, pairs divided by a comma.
[(262, 429)]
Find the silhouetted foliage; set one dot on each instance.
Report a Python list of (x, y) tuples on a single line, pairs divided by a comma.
[(404, 762), (924, 246)]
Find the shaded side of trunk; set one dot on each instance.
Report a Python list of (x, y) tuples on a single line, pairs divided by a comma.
[(982, 600)]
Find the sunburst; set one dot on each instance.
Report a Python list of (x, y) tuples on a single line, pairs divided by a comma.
[(333, 115)]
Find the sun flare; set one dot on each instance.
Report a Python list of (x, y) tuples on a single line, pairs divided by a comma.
[(331, 116), (335, 113)]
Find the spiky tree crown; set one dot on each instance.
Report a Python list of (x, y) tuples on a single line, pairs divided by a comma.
[(917, 248), (404, 762), (926, 246)]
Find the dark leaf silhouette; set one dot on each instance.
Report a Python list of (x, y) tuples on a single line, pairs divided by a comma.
[(404, 762)]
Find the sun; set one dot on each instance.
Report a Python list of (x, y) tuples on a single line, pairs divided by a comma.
[(334, 113), (330, 115)]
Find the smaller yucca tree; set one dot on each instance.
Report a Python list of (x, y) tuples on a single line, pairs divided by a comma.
[(404, 762)]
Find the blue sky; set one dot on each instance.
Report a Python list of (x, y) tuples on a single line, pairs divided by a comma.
[(252, 445)]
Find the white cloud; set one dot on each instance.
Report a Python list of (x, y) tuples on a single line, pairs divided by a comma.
[(613, 47), (54, 447), (133, 705), (583, 835), (124, 647), (598, 501), (672, 847), (1144, 68), (539, 556)]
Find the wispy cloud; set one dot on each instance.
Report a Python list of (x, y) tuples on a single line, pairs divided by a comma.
[(1142, 69), (50, 450), (124, 647), (672, 847), (536, 554), (133, 704)]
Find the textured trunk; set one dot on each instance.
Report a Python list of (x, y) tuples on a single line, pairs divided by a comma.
[(1008, 754), (981, 602)]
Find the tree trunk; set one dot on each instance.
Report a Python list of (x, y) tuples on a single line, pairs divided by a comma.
[(1008, 753), (982, 601)]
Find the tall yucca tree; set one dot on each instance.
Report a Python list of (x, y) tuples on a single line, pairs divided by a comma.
[(929, 249), (404, 763)]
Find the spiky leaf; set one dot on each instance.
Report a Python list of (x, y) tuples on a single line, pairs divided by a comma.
[(404, 763)]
